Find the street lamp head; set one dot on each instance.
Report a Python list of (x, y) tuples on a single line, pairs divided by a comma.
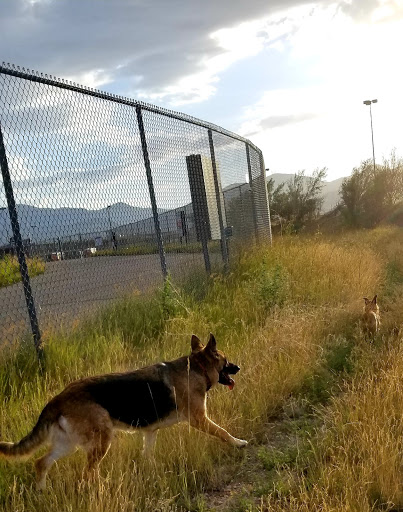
[(374, 101), (367, 102)]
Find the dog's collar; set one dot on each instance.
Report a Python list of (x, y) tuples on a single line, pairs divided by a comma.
[(208, 380)]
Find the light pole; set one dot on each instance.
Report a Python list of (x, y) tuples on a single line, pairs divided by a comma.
[(369, 102), (113, 238), (32, 241), (33, 232), (109, 217)]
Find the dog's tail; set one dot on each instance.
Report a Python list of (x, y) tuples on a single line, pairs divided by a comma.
[(31, 442)]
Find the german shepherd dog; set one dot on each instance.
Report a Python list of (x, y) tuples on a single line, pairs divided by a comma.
[(87, 411), (371, 317)]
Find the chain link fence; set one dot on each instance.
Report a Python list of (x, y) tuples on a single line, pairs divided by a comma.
[(104, 196)]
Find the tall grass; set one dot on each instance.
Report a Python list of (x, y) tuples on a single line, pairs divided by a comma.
[(275, 314), (355, 459), (355, 462)]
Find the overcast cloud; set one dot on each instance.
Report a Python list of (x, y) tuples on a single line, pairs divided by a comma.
[(280, 71), (152, 44), (147, 46)]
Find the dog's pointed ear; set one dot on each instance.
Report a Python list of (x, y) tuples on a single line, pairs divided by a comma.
[(212, 344), (196, 344), (367, 301), (374, 299)]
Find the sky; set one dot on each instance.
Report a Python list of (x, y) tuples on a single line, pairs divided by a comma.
[(289, 75)]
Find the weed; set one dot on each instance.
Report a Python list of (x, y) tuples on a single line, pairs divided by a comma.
[(171, 301), (273, 458), (273, 286)]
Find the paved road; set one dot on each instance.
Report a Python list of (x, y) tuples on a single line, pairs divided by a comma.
[(71, 288)]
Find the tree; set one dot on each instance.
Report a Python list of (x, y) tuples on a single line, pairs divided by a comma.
[(352, 192), (369, 194), (299, 200)]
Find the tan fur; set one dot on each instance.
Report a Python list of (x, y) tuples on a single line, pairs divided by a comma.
[(371, 316), (74, 419)]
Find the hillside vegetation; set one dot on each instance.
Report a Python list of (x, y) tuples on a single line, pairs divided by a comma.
[(320, 405), (370, 196)]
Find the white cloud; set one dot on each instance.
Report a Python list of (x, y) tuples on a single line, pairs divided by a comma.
[(326, 123), (94, 78), (233, 44), (344, 47)]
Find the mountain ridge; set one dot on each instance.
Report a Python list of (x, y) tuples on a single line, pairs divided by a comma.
[(38, 223)]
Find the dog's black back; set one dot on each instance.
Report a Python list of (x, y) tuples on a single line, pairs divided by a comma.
[(136, 399)]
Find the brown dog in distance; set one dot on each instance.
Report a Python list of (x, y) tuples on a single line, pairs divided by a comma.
[(371, 316)]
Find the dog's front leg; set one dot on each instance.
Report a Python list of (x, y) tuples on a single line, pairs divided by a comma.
[(149, 439), (206, 425)]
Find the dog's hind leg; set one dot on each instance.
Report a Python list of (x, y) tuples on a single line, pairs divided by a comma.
[(149, 439), (204, 424), (92, 430), (43, 464), (97, 449)]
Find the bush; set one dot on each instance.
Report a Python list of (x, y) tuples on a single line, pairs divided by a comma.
[(371, 194), (273, 286)]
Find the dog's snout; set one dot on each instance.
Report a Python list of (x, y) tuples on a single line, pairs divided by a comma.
[(232, 369)]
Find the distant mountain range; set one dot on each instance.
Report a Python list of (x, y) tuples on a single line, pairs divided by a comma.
[(46, 224), (330, 189), (40, 224)]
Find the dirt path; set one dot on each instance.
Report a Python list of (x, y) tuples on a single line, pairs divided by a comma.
[(284, 441)]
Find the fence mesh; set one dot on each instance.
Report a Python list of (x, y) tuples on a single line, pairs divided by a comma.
[(103, 196)]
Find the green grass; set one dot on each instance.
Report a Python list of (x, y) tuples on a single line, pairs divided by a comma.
[(10, 269), (287, 314)]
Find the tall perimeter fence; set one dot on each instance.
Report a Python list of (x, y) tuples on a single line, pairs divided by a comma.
[(104, 196)]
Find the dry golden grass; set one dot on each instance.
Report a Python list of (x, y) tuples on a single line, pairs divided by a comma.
[(356, 458), (275, 314)]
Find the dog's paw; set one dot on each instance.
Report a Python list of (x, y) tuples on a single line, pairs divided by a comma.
[(241, 443)]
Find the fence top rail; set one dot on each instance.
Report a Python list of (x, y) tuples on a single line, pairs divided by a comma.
[(36, 76)]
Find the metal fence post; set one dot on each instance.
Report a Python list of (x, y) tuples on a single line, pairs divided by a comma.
[(224, 248), (266, 196), (252, 192), (15, 226), (152, 192), (199, 203)]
